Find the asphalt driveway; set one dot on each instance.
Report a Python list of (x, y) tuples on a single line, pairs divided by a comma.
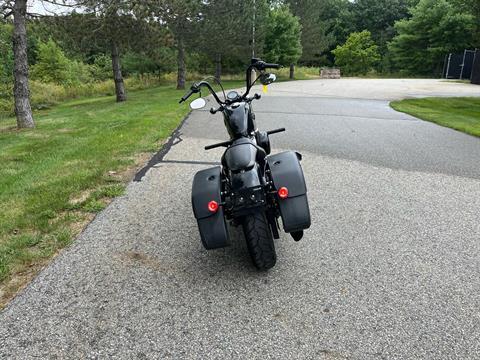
[(389, 269)]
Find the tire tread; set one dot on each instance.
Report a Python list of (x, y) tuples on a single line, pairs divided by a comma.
[(259, 241)]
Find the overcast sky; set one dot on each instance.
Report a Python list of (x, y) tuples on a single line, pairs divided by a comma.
[(40, 7)]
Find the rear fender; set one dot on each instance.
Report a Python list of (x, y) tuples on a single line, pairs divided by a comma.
[(286, 171), (241, 155), (245, 179), (207, 185)]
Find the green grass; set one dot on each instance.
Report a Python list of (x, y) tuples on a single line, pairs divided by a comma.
[(53, 176), (461, 114)]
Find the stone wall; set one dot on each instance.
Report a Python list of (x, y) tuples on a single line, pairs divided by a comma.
[(330, 73)]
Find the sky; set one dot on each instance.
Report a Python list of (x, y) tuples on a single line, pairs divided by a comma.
[(44, 8)]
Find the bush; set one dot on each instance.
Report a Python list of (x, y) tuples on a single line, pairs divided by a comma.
[(134, 63), (358, 55), (101, 69), (54, 67), (6, 99), (6, 54)]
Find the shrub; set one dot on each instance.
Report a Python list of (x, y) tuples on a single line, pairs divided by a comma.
[(79, 73), (6, 99), (6, 54), (101, 69), (358, 55), (135, 63), (53, 66)]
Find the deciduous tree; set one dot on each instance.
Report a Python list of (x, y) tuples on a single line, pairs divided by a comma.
[(282, 41), (435, 29), (358, 55)]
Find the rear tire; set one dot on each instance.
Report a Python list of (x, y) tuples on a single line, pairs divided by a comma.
[(259, 240)]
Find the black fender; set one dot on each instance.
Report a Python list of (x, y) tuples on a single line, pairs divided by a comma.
[(286, 171), (263, 140), (207, 186), (245, 179)]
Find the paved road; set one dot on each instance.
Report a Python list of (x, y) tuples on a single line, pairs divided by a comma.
[(389, 269)]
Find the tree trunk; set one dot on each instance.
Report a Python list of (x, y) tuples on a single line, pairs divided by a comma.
[(292, 71), (181, 65), (218, 66), (21, 92), (117, 74)]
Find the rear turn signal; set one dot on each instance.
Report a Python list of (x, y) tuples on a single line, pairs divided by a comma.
[(283, 192), (213, 206)]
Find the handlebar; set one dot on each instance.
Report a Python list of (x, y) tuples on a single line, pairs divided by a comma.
[(186, 96), (230, 142), (270, 132), (224, 143), (195, 88), (256, 64), (259, 65), (213, 111)]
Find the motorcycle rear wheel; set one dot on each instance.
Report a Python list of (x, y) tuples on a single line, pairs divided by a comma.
[(259, 240)]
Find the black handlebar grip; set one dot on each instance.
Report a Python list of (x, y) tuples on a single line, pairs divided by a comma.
[(186, 96), (275, 131), (213, 146), (214, 111)]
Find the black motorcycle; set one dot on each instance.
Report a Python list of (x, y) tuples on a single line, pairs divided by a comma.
[(251, 188)]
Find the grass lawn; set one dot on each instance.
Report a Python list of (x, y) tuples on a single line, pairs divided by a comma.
[(55, 177), (461, 114)]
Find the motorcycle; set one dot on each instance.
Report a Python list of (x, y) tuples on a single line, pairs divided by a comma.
[(251, 188)]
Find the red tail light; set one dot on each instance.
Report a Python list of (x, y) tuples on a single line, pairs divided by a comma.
[(213, 206), (283, 192)]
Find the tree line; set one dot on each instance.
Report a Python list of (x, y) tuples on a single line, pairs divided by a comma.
[(97, 39)]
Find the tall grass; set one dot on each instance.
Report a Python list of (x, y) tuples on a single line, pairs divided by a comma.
[(301, 73), (43, 95)]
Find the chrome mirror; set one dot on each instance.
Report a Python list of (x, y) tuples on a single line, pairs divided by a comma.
[(198, 104), (267, 79)]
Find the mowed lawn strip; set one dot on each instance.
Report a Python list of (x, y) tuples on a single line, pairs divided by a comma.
[(53, 178), (461, 113)]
